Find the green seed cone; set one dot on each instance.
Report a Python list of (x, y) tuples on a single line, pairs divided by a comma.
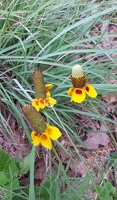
[(34, 118), (39, 85)]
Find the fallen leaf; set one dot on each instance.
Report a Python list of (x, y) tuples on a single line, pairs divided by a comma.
[(96, 140), (40, 169), (110, 98)]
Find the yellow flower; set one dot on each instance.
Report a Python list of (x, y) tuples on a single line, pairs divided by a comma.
[(42, 103), (47, 102), (51, 133), (80, 88)]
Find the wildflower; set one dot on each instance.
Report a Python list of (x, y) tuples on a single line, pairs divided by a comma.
[(51, 133), (42, 103), (43, 97), (42, 133), (80, 89)]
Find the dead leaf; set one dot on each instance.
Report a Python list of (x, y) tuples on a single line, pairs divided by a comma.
[(110, 98), (96, 140), (40, 169)]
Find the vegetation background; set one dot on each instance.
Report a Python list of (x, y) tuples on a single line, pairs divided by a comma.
[(54, 36)]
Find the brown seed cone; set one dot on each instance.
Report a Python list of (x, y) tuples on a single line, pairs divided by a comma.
[(34, 118), (78, 82), (39, 85)]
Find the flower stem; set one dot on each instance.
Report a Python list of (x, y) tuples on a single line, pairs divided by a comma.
[(31, 187)]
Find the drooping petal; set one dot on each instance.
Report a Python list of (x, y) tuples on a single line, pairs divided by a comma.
[(48, 87), (50, 101), (69, 92), (45, 141), (78, 95), (48, 94), (35, 138), (90, 91), (42, 103), (53, 132), (36, 104)]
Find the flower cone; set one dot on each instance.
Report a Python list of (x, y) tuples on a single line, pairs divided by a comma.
[(34, 118), (39, 85)]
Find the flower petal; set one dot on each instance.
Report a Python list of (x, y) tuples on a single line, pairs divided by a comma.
[(35, 138), (45, 141), (49, 86), (78, 95), (53, 132), (48, 94), (42, 103), (50, 101), (90, 91), (69, 92), (36, 104)]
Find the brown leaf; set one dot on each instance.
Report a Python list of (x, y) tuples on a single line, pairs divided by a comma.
[(110, 98), (40, 169), (97, 139)]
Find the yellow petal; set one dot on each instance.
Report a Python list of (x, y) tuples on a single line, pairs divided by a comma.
[(49, 86), (69, 92), (48, 94), (50, 101), (45, 141), (90, 91), (36, 104), (53, 132), (35, 138), (78, 95), (42, 103)]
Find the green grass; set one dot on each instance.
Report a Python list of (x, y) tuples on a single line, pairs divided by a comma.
[(55, 35)]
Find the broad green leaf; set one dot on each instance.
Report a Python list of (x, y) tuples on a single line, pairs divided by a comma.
[(3, 178), (13, 184), (7, 165), (24, 164)]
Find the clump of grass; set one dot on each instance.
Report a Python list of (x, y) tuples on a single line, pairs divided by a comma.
[(55, 35)]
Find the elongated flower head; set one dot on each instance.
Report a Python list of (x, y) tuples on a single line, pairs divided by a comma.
[(39, 85), (34, 118), (78, 77), (42, 133)]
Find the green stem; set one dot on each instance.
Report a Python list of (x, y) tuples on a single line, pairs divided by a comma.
[(50, 167), (32, 187)]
